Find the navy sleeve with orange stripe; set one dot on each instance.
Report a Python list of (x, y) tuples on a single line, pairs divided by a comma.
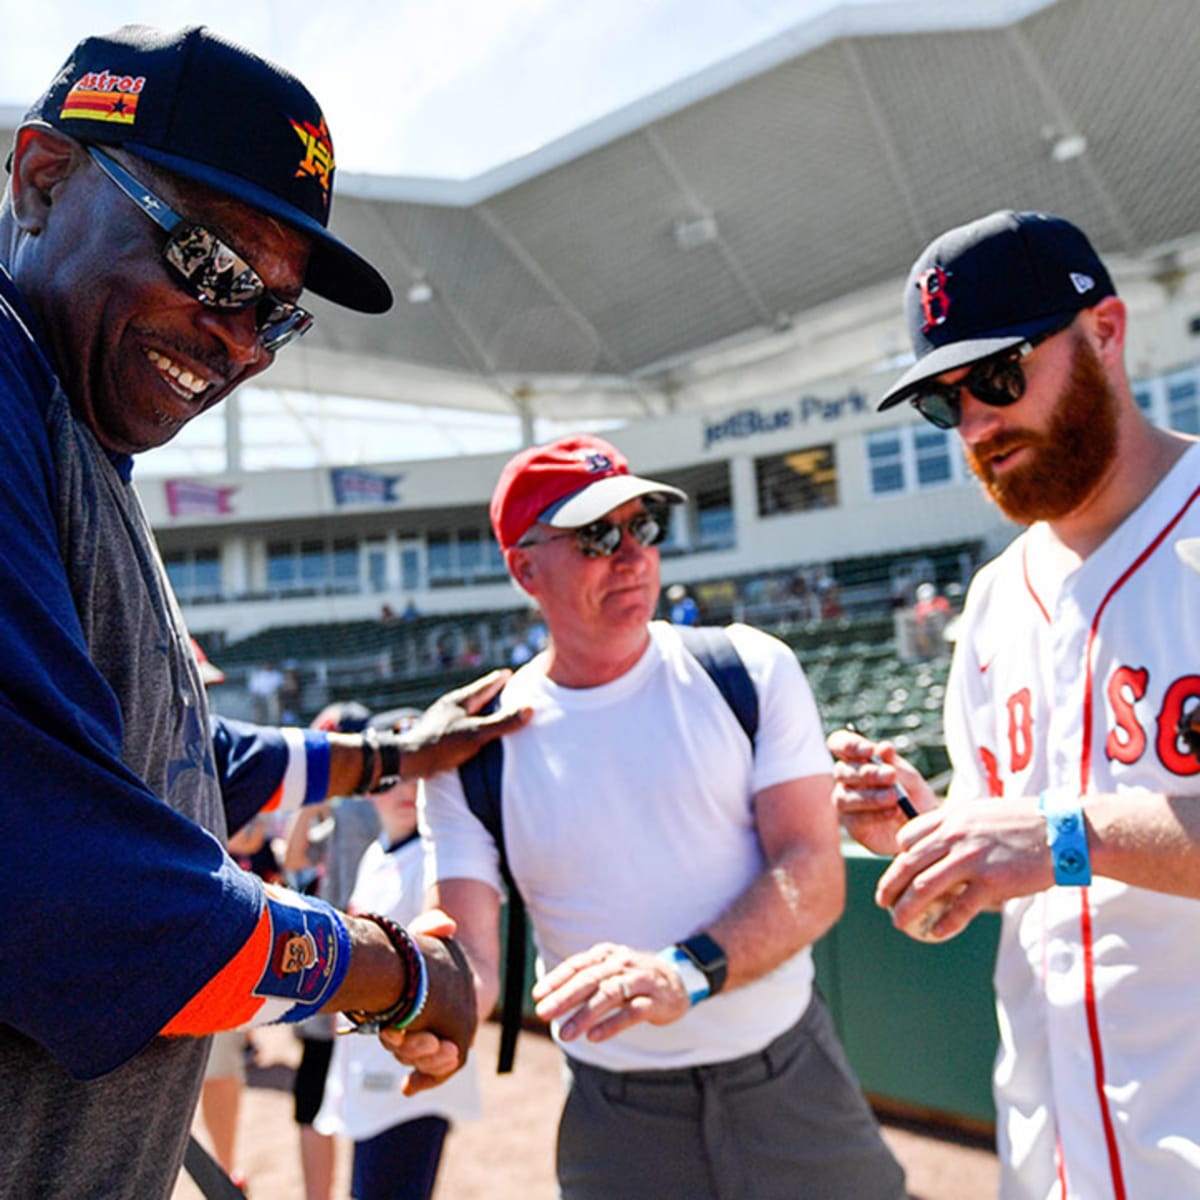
[(287, 969), (118, 910), (252, 762)]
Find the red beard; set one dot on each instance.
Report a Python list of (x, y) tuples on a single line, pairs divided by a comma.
[(1068, 460)]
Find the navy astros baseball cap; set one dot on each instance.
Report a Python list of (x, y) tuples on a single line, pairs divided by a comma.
[(212, 111), (991, 285)]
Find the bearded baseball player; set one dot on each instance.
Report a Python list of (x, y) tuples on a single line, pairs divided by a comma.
[(1074, 803)]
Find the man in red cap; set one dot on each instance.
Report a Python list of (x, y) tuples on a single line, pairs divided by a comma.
[(168, 202), (677, 857)]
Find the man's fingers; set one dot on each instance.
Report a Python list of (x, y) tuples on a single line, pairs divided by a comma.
[(474, 695), (501, 724), (433, 923)]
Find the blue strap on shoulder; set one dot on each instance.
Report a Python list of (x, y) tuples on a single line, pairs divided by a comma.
[(713, 648), (480, 778)]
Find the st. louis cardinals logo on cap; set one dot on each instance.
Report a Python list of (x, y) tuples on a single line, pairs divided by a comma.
[(935, 300)]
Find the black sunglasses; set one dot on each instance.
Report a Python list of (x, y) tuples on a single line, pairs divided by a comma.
[(997, 381), (602, 538), (208, 269)]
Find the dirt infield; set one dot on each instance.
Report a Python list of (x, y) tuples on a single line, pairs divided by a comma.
[(509, 1155)]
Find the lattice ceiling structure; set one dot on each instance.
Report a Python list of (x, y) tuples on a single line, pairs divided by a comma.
[(578, 281)]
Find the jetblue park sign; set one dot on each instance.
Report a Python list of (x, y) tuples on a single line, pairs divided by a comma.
[(750, 422)]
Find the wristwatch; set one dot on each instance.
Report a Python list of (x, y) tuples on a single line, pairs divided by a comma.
[(709, 957)]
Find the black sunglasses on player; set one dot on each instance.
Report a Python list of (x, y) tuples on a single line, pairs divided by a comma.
[(997, 381), (208, 269), (603, 538)]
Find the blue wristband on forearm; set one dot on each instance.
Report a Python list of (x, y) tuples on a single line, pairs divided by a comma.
[(1066, 835)]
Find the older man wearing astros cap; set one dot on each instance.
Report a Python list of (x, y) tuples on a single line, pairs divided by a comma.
[(168, 204)]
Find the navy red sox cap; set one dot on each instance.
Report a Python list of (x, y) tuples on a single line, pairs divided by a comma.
[(214, 112), (992, 284)]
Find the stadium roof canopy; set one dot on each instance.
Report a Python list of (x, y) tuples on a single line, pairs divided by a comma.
[(724, 209)]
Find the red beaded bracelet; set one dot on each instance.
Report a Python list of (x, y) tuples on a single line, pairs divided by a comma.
[(415, 993)]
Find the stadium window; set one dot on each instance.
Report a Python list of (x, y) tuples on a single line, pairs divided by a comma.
[(463, 557), (194, 574), (885, 462), (935, 459), (714, 517), (345, 565), (1183, 402), (313, 565), (440, 558), (281, 566), (410, 567), (377, 566), (912, 458), (799, 481), (470, 552)]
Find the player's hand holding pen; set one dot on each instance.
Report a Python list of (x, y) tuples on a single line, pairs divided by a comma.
[(951, 862), (876, 790)]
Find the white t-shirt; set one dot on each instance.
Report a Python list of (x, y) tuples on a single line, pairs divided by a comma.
[(362, 1090), (628, 817)]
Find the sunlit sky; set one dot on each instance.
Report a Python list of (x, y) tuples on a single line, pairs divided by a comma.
[(444, 88), (435, 88)]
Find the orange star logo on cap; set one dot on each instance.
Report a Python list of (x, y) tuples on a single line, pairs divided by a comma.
[(318, 153)]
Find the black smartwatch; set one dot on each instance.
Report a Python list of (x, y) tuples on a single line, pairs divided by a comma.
[(709, 957)]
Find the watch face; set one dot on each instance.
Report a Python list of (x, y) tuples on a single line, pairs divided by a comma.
[(709, 957), (703, 951)]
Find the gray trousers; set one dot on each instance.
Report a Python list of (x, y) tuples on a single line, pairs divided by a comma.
[(787, 1123)]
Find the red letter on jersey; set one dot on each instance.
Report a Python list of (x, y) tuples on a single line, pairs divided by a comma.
[(992, 771), (1182, 690), (1020, 730), (1127, 739)]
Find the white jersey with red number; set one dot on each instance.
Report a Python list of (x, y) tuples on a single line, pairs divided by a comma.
[(1078, 683)]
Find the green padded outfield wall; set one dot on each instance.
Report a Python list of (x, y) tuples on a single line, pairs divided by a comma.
[(918, 1021)]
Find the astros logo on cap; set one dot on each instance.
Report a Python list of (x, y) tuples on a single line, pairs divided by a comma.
[(935, 303), (103, 96), (318, 154)]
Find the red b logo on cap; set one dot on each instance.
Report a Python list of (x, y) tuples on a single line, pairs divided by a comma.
[(935, 303)]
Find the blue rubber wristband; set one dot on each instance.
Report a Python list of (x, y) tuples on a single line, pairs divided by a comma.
[(693, 978), (1066, 836)]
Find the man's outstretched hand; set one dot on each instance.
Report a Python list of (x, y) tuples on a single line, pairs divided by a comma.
[(449, 732)]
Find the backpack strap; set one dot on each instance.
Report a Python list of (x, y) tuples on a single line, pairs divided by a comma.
[(480, 777), (713, 648)]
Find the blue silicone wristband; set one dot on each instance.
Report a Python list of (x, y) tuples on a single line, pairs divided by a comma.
[(1066, 836), (693, 978)]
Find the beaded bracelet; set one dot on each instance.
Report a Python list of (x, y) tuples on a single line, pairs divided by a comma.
[(415, 995)]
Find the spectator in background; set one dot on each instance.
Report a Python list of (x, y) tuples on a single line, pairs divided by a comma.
[(930, 615), (683, 610), (398, 1139), (263, 685)]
